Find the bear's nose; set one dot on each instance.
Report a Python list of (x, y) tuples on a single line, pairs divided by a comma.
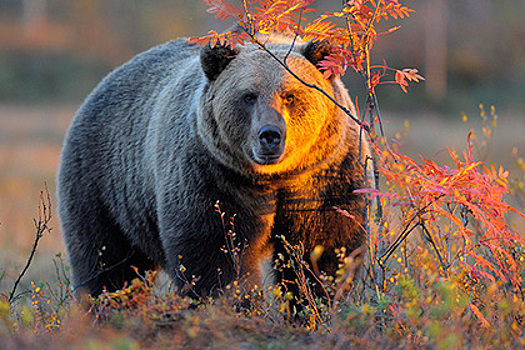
[(270, 137)]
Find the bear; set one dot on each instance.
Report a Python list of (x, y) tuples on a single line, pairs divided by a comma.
[(210, 163)]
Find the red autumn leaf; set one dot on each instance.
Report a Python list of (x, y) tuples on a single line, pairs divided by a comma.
[(480, 316), (223, 10)]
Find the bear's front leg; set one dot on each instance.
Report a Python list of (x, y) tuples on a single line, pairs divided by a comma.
[(333, 220), (210, 243)]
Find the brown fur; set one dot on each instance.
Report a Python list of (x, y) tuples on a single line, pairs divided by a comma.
[(165, 137)]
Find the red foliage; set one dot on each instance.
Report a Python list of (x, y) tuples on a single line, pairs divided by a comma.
[(268, 16), (409, 74), (468, 197), (357, 38), (351, 44)]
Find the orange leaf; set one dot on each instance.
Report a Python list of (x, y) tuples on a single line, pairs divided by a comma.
[(223, 10)]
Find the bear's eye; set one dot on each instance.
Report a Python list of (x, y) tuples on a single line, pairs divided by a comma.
[(289, 99), (249, 98)]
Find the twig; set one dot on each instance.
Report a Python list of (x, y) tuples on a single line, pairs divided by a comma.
[(428, 237), (294, 38), (41, 226), (406, 231), (233, 247), (351, 268), (312, 86)]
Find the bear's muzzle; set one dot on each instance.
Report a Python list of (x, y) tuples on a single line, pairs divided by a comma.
[(271, 143)]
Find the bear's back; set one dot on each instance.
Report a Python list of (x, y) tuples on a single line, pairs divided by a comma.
[(104, 151), (130, 85)]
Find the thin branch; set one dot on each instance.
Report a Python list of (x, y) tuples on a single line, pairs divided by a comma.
[(428, 237), (351, 38), (41, 226), (312, 86), (294, 38), (371, 22), (406, 231), (378, 114), (393, 247), (291, 48)]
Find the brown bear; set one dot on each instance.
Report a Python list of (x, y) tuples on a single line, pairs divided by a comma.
[(178, 130)]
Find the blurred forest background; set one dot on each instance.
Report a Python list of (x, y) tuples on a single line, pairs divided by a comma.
[(57, 50), (54, 52)]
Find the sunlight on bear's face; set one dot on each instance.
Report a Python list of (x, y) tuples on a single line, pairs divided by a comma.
[(274, 117)]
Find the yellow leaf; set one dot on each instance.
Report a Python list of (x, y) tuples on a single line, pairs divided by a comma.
[(501, 182)]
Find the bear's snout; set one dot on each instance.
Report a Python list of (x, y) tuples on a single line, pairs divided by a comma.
[(270, 137), (270, 147)]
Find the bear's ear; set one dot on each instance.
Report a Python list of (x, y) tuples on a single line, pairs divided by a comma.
[(315, 51), (215, 59)]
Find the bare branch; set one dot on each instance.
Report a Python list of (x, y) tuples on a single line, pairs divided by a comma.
[(41, 226), (312, 86)]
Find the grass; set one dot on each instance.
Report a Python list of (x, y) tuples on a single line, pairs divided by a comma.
[(415, 307), (419, 310)]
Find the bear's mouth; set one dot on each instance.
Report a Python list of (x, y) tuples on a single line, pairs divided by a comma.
[(267, 159)]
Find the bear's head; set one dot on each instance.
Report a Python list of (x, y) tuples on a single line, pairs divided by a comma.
[(256, 117)]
